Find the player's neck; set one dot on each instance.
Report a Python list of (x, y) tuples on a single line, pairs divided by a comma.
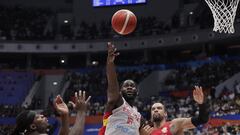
[(130, 102), (159, 124)]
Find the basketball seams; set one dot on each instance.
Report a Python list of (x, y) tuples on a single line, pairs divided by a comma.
[(118, 20), (125, 23)]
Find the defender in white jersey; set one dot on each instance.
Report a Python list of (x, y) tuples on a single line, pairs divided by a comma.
[(125, 119)]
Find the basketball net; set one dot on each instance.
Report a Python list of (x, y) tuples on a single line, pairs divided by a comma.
[(224, 12)]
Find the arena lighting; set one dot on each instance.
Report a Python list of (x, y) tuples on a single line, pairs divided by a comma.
[(55, 83), (65, 21), (62, 61), (94, 63)]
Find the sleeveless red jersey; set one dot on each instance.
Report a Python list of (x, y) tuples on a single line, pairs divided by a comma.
[(164, 130)]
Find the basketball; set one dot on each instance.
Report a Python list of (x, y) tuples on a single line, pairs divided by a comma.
[(124, 22)]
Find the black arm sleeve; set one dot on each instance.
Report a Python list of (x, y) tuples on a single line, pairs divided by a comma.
[(203, 116)]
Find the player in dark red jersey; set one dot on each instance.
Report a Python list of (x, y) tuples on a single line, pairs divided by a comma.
[(176, 126)]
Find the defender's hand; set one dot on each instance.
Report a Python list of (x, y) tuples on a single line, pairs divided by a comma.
[(198, 95), (60, 106), (81, 102)]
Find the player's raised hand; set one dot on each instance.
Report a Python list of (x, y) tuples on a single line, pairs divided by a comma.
[(60, 106), (112, 52), (146, 130), (81, 102), (198, 94)]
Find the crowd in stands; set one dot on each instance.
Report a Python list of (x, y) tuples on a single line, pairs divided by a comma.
[(6, 129), (24, 23), (94, 82), (207, 75), (20, 23), (183, 78), (9, 110)]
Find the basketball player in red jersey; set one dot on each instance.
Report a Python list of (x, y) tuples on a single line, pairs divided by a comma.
[(175, 127)]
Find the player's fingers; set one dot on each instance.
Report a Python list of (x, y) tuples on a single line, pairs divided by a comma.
[(59, 98), (201, 90), (194, 92), (110, 47), (109, 44), (88, 99), (150, 130), (80, 94), (146, 127), (111, 51), (115, 49), (84, 96), (116, 54), (198, 90), (195, 87), (72, 104), (76, 96)]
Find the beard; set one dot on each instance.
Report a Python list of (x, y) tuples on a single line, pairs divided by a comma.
[(129, 97), (44, 128), (157, 117)]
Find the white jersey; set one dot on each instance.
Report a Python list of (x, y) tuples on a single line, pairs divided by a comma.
[(125, 120)]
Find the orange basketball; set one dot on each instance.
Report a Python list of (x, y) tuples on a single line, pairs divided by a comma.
[(124, 22)]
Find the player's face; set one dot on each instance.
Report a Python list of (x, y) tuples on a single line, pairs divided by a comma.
[(129, 90), (158, 112), (41, 123)]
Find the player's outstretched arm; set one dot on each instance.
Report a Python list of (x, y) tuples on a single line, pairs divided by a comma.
[(81, 107), (202, 118), (113, 94), (62, 109)]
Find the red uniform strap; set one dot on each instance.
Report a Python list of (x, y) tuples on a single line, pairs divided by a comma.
[(105, 121)]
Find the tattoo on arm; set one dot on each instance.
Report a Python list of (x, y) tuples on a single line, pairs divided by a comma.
[(173, 128)]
